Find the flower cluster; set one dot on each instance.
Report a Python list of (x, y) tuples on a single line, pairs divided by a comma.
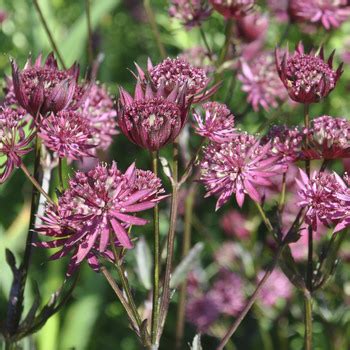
[(96, 211), (233, 8)]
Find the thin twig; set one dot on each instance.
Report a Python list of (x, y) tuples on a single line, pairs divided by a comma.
[(308, 320)]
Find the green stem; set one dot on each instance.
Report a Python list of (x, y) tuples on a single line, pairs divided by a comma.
[(307, 126), (155, 305), (310, 267), (48, 32), (308, 320), (89, 30), (264, 217), (283, 193), (204, 38), (60, 174), (225, 48)]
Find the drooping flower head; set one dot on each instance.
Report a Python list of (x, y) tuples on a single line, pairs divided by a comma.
[(329, 138), (252, 27), (67, 133), (261, 82), (233, 8), (218, 124), (328, 13), (190, 12), (307, 77), (14, 141), (98, 209), (151, 120), (45, 88), (238, 167)]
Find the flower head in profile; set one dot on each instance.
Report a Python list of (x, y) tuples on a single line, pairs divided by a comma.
[(252, 27), (328, 13), (218, 123), (97, 210), (40, 89), (307, 77), (190, 12), (14, 141), (261, 82), (67, 133), (329, 138), (151, 120), (233, 8), (238, 168)]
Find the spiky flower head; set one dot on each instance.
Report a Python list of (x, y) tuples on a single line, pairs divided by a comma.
[(190, 12), (151, 120), (328, 13), (40, 89), (233, 8), (328, 138), (67, 133), (237, 168), (97, 210), (15, 142), (252, 27), (218, 124), (307, 77), (261, 82)]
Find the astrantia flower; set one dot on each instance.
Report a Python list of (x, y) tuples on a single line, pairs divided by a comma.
[(329, 138), (190, 12), (219, 122), (261, 82), (14, 142), (67, 133), (233, 8), (280, 9), (328, 13), (43, 89), (238, 167), (319, 196), (307, 77), (252, 27), (98, 204), (99, 109), (150, 120), (235, 224)]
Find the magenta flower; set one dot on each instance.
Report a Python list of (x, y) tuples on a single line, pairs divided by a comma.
[(233, 8), (280, 9), (329, 138), (261, 82), (319, 196), (307, 77), (238, 167), (150, 120), (14, 142), (218, 125), (190, 12), (98, 204), (328, 13), (68, 134), (235, 224), (43, 89), (252, 27)]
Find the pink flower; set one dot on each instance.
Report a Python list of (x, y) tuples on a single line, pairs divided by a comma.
[(233, 8), (238, 167), (261, 82), (97, 207), (307, 77), (328, 13), (227, 254), (190, 12), (219, 122), (235, 224), (252, 27), (280, 9), (67, 133), (149, 119)]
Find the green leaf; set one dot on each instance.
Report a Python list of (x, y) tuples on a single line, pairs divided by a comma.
[(143, 262)]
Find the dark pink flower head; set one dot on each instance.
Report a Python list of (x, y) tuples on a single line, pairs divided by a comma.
[(199, 57), (276, 288), (252, 27), (261, 82), (45, 88), (328, 13), (149, 119), (238, 167), (67, 133), (233, 8), (14, 141), (190, 12), (307, 77), (235, 224), (176, 72), (218, 124), (319, 196), (98, 207), (329, 138), (228, 293), (100, 111)]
